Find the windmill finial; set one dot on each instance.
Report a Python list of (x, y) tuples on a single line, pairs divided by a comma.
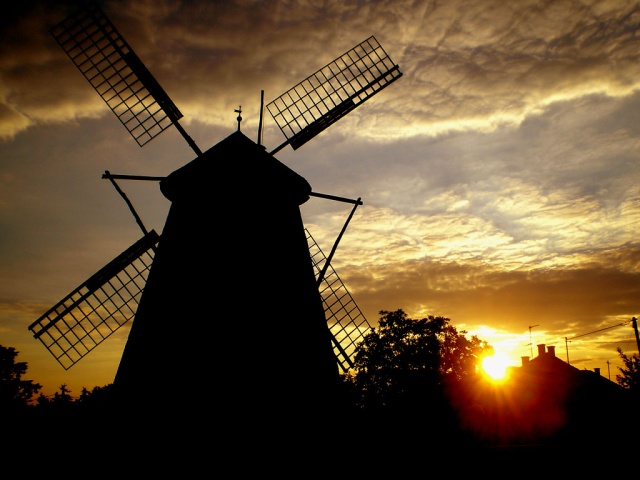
[(239, 111)]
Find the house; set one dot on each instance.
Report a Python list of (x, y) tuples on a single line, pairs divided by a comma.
[(547, 402)]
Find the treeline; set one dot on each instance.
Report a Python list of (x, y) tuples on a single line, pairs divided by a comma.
[(397, 362), (411, 377)]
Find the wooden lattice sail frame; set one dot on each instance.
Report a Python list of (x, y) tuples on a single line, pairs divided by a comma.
[(345, 320), (324, 97), (96, 309)]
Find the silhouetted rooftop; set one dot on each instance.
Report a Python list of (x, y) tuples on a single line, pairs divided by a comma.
[(239, 167)]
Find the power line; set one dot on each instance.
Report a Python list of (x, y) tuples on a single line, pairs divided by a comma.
[(596, 331), (566, 340)]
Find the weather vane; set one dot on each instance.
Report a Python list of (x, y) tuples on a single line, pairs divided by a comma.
[(239, 118)]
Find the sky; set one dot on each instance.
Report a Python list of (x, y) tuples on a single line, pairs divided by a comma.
[(499, 176)]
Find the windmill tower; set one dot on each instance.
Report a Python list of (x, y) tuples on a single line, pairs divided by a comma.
[(207, 311)]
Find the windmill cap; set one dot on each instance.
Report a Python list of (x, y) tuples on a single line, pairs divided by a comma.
[(236, 167)]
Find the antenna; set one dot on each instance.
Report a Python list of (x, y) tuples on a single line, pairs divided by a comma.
[(530, 342), (114, 70), (326, 96)]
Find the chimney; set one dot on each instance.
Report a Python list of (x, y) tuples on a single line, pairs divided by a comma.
[(552, 350), (541, 349), (525, 360), (597, 370)]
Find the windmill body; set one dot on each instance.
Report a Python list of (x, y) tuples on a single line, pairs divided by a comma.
[(235, 298), (214, 312)]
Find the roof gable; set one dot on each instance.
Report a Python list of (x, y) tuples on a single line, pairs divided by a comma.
[(236, 166)]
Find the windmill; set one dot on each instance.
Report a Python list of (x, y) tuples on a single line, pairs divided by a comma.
[(205, 307)]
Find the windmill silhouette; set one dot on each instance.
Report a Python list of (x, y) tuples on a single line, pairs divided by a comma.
[(235, 292)]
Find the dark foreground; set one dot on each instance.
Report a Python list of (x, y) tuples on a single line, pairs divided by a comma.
[(104, 444)]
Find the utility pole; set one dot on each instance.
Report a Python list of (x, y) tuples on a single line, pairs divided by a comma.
[(566, 346), (634, 322), (530, 342)]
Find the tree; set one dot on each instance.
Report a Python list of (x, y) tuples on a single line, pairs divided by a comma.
[(15, 393), (630, 378), (98, 399), (406, 363)]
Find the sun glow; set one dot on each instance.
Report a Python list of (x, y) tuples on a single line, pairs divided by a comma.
[(495, 366)]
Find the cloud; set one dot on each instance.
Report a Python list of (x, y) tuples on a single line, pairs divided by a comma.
[(571, 300), (468, 66)]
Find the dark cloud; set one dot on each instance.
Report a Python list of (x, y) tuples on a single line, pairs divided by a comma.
[(463, 63), (557, 297)]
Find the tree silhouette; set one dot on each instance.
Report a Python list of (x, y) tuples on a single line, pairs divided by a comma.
[(630, 374), (401, 377), (406, 362), (15, 392)]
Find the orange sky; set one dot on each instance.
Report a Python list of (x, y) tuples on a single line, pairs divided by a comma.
[(499, 175)]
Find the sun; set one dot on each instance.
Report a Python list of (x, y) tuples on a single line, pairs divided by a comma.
[(495, 366)]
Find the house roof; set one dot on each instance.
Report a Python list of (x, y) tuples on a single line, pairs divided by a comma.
[(547, 401)]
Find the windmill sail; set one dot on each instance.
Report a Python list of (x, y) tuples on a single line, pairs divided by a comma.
[(346, 322), (329, 94), (98, 307), (114, 70)]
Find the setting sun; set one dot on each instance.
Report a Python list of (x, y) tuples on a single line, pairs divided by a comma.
[(495, 366)]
